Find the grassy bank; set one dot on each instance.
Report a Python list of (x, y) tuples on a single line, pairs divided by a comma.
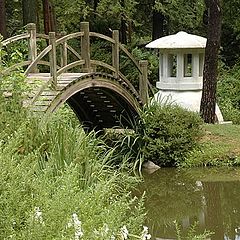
[(57, 182), (50, 171), (220, 146)]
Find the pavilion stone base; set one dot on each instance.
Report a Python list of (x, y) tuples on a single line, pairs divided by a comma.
[(187, 99)]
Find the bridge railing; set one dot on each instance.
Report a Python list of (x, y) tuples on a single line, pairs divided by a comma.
[(83, 59)]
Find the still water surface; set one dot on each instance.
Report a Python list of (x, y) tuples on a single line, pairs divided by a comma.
[(210, 197)]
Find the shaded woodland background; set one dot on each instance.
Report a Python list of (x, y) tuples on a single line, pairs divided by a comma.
[(138, 21)]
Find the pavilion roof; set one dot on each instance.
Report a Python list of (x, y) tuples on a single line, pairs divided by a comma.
[(179, 40)]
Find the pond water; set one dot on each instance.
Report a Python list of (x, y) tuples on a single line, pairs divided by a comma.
[(209, 196)]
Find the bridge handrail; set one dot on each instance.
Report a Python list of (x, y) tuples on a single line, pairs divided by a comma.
[(131, 57), (15, 38), (105, 65), (68, 37), (17, 65), (83, 59), (109, 39), (23, 64), (72, 50), (37, 59), (49, 48), (69, 66), (102, 64), (42, 35), (99, 35)]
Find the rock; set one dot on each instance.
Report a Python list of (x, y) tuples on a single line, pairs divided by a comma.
[(150, 167)]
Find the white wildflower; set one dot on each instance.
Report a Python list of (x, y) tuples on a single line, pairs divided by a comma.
[(38, 215), (76, 223), (145, 235), (102, 232), (124, 232), (105, 228)]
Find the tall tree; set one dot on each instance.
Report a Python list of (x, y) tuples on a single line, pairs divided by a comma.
[(158, 25), (29, 8), (49, 16), (123, 27), (208, 101), (3, 28)]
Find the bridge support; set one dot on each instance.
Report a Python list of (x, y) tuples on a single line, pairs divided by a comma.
[(53, 59), (32, 44), (115, 52), (85, 46)]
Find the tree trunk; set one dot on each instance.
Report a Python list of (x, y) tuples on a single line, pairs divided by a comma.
[(46, 16), (123, 27), (123, 32), (158, 25), (3, 28), (29, 8), (49, 17), (95, 4), (208, 101), (53, 18)]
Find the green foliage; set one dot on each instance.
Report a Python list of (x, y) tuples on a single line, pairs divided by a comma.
[(50, 166), (163, 134), (219, 147), (116, 9), (230, 38), (68, 14), (210, 154), (180, 14), (228, 94), (153, 62), (13, 89), (192, 235), (170, 132)]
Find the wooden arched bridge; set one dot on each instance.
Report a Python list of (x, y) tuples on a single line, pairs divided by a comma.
[(98, 92)]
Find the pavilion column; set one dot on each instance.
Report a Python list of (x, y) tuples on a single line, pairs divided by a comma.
[(165, 68), (195, 66), (180, 65), (161, 65)]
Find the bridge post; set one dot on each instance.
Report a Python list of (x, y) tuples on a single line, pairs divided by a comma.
[(53, 59), (85, 46), (115, 52), (32, 44), (143, 81), (63, 50)]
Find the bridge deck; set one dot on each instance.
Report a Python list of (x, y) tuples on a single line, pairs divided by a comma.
[(63, 79), (41, 80)]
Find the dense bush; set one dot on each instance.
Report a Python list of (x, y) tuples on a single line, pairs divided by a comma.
[(170, 132)]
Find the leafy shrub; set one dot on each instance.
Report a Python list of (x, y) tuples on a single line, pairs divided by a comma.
[(230, 113), (170, 132), (229, 94)]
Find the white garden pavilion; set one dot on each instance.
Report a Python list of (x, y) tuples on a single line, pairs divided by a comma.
[(181, 61)]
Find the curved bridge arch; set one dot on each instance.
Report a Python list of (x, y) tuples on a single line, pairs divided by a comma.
[(118, 95), (99, 100)]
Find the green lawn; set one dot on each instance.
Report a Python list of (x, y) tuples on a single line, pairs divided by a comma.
[(220, 146)]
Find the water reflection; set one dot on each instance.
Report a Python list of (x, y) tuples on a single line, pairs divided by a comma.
[(209, 196)]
